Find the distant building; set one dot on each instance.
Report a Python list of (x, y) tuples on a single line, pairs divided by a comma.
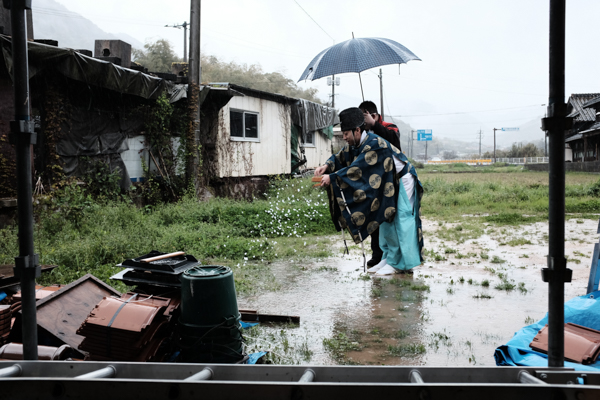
[(583, 139)]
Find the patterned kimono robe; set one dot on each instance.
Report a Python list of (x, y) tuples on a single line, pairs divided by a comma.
[(364, 185)]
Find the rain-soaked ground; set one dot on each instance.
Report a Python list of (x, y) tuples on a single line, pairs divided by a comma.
[(454, 311)]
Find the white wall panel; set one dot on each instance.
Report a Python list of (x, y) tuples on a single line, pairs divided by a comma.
[(270, 155), (316, 156)]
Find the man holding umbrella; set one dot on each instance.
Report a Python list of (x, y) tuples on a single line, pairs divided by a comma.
[(375, 123), (375, 186)]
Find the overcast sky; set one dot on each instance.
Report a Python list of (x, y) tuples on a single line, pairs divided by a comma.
[(484, 63)]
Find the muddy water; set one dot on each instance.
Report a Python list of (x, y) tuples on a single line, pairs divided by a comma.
[(444, 314)]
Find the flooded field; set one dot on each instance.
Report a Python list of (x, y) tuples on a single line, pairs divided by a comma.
[(476, 289)]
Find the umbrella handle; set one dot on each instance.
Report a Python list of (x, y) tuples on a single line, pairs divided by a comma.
[(361, 89)]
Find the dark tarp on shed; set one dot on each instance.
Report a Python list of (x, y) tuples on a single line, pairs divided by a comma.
[(91, 132), (91, 71), (313, 117), (95, 134), (308, 116)]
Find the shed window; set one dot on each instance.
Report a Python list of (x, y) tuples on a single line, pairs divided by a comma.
[(308, 139), (243, 125)]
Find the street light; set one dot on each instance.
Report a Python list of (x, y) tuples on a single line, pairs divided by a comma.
[(184, 26), (495, 129)]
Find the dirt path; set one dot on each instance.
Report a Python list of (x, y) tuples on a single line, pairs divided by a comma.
[(454, 311)]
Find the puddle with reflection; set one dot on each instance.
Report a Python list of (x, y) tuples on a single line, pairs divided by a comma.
[(443, 315)]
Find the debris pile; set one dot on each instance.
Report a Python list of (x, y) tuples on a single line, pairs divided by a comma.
[(5, 319), (130, 328), (89, 320)]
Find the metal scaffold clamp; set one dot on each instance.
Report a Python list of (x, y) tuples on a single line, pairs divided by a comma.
[(25, 264), (552, 123), (549, 273), (24, 4)]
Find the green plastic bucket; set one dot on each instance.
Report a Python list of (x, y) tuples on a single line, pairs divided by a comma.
[(219, 344), (208, 296), (209, 324)]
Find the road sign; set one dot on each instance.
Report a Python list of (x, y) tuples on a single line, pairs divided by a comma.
[(424, 134), (510, 129)]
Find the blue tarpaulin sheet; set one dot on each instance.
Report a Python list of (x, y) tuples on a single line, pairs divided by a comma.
[(583, 310), (246, 325)]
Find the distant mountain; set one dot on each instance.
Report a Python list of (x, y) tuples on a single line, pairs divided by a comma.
[(52, 20)]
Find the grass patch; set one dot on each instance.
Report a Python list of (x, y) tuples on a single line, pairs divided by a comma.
[(482, 296), (401, 334), (438, 339), (518, 242), (521, 287), (284, 346), (82, 236), (513, 219), (512, 195), (505, 285), (409, 284), (406, 350), (342, 343)]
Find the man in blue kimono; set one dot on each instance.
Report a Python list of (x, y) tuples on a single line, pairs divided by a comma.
[(364, 180)]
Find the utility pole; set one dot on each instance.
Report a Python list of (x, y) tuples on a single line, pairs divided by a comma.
[(333, 82), (23, 136), (480, 136), (556, 123), (333, 91), (184, 26), (411, 144), (195, 78), (495, 129), (381, 93)]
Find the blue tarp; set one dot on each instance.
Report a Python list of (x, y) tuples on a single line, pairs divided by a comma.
[(583, 310)]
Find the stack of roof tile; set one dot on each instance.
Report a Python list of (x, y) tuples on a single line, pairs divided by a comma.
[(582, 344), (5, 318), (129, 328)]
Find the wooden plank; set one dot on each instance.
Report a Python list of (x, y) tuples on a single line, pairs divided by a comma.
[(257, 317), (163, 256)]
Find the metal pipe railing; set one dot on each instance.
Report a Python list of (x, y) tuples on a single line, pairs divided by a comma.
[(205, 375), (415, 376), (527, 378), (308, 376), (106, 372), (12, 371)]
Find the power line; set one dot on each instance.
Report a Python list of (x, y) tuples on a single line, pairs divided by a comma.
[(70, 14), (314, 20), (468, 112)]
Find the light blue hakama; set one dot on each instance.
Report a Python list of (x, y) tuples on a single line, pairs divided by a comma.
[(399, 239)]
